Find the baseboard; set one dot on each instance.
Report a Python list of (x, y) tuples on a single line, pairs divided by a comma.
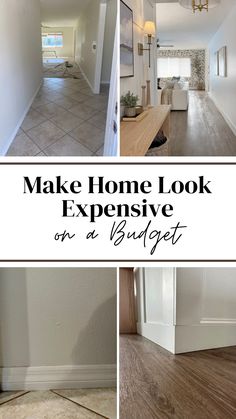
[(204, 336), (105, 82), (163, 335), (84, 75), (225, 116), (58, 377), (12, 137)]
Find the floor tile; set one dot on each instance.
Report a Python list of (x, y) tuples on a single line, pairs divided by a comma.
[(100, 151), (51, 110), (79, 97), (67, 121), (101, 401), (23, 146), (89, 135), (98, 102), (66, 102), (67, 146), (45, 134), (32, 119), (83, 111), (40, 101), (44, 405), (99, 120), (6, 396)]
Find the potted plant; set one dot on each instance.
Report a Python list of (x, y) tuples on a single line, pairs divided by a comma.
[(129, 101)]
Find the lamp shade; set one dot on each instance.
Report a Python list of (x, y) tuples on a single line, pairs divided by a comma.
[(199, 4), (149, 28)]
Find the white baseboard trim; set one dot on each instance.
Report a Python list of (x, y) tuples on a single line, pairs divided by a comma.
[(105, 82), (204, 336), (225, 116), (58, 377), (12, 137), (163, 335), (84, 75)]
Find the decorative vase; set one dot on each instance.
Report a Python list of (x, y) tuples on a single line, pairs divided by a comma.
[(148, 93), (144, 97)]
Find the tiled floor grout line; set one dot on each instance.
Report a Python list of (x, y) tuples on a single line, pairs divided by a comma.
[(80, 405), (15, 397)]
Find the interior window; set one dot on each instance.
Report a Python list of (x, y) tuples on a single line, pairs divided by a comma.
[(173, 66), (54, 40)]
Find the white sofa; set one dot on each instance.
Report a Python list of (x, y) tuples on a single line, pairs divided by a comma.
[(177, 96), (180, 99)]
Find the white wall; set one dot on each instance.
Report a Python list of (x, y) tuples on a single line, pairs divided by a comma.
[(67, 51), (109, 40), (21, 68), (187, 309), (142, 10), (90, 29), (223, 89), (56, 317)]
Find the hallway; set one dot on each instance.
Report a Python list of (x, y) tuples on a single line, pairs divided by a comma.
[(157, 384), (202, 130), (66, 119)]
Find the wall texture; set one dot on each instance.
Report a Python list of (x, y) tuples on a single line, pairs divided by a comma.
[(142, 10), (198, 65), (53, 317), (223, 89), (68, 42), (21, 69), (87, 32)]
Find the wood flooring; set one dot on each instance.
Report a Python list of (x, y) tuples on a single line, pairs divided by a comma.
[(157, 384), (201, 131)]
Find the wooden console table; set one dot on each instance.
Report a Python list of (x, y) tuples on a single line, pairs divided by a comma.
[(136, 137)]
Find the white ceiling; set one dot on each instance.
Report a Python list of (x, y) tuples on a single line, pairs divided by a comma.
[(185, 29), (61, 12)]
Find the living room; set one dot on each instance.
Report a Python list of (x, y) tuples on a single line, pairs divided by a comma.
[(192, 59)]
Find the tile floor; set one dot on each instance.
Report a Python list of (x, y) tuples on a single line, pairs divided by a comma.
[(66, 119), (59, 404)]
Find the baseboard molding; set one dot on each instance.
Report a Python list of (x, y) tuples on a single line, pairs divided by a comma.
[(12, 137), (105, 82), (84, 75), (163, 335), (225, 116), (204, 336), (58, 377)]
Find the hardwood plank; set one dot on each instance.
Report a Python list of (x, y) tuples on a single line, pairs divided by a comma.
[(127, 301), (157, 384), (200, 131), (136, 137)]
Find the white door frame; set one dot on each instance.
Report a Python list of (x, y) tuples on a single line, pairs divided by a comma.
[(111, 134), (99, 48)]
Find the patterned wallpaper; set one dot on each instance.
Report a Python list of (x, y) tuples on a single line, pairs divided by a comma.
[(198, 60)]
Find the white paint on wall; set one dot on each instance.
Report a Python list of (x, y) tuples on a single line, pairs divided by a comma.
[(90, 31), (142, 10), (109, 37), (57, 316), (21, 64), (223, 89), (67, 51)]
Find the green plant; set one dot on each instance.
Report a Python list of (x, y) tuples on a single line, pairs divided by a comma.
[(129, 100)]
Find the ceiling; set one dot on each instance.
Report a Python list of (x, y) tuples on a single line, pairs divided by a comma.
[(61, 12), (185, 29)]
